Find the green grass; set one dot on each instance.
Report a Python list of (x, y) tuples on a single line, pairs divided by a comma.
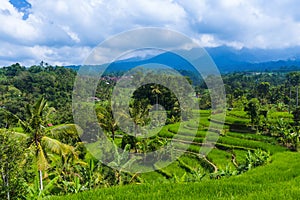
[(241, 117), (174, 168), (232, 119), (278, 115), (192, 124), (220, 158), (236, 120), (252, 136), (277, 180), (240, 156), (272, 115), (259, 183), (153, 177), (200, 134), (165, 133), (238, 113), (193, 162), (250, 144)]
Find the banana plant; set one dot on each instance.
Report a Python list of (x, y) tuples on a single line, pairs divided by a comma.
[(122, 162), (288, 135)]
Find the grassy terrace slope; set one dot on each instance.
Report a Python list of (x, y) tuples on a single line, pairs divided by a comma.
[(221, 156), (278, 180)]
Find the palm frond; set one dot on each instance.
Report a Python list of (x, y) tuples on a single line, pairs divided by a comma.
[(68, 134), (69, 129), (20, 135), (49, 112), (39, 106), (23, 124), (57, 147), (41, 159), (53, 145)]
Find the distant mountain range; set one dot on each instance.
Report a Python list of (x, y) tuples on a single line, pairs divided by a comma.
[(227, 60), (230, 60)]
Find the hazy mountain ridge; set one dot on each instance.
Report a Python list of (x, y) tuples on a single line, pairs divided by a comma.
[(227, 60)]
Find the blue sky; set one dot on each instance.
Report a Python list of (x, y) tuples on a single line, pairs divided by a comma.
[(64, 32)]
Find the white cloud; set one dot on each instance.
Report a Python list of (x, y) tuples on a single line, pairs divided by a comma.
[(72, 34), (13, 27), (70, 28), (31, 55)]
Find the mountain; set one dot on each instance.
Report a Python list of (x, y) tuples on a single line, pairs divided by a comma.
[(226, 58), (229, 59)]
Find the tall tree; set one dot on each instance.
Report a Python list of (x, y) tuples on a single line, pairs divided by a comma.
[(252, 109), (294, 79), (296, 116), (107, 120), (156, 90), (263, 89), (11, 157), (139, 113), (39, 139)]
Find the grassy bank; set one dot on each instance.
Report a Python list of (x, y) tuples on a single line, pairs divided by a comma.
[(278, 180)]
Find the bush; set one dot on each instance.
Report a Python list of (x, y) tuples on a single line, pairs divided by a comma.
[(255, 159)]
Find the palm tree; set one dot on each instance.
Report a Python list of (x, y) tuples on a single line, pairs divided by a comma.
[(252, 109), (294, 79), (263, 90), (139, 113), (137, 117), (39, 138), (155, 90), (107, 120)]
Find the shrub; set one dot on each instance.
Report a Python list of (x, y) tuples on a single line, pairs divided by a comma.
[(255, 159)]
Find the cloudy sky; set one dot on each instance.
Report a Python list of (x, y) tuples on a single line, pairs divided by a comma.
[(64, 32)]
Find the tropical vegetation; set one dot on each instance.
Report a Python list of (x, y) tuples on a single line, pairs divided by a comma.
[(44, 154)]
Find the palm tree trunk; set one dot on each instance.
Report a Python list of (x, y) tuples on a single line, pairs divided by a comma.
[(41, 180), (156, 102), (119, 178), (113, 134), (290, 100), (6, 183), (135, 134), (297, 99)]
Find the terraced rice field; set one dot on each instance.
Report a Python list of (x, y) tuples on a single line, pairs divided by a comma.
[(277, 180), (228, 146)]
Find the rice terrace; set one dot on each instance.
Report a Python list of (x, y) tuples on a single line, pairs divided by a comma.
[(149, 100)]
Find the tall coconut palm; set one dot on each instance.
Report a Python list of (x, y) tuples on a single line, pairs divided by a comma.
[(252, 109), (39, 138), (139, 113), (294, 80), (107, 120), (155, 90)]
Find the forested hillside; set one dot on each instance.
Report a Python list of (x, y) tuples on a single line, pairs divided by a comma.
[(38, 135)]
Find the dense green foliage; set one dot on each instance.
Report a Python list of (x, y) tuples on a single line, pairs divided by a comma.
[(262, 124), (11, 157), (20, 86)]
